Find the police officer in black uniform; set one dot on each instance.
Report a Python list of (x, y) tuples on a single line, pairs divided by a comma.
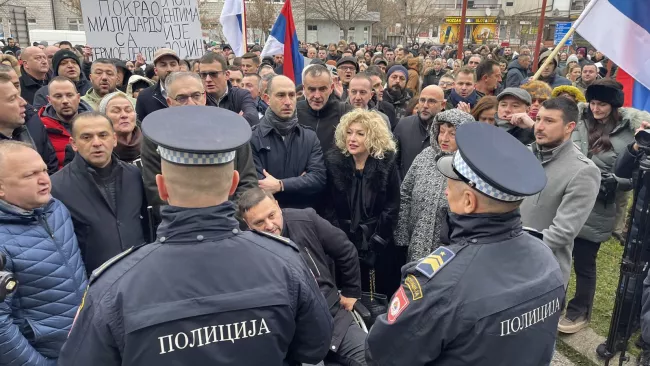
[(493, 296), (204, 293)]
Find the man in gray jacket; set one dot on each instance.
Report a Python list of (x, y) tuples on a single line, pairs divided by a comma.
[(560, 210)]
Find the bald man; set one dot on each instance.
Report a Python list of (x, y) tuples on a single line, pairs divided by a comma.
[(49, 53), (412, 132), (287, 156), (35, 72)]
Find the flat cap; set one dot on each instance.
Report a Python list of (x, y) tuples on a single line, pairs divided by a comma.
[(196, 135), (348, 60), (518, 93), (493, 162), (162, 52)]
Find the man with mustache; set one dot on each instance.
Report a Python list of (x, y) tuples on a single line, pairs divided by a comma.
[(105, 196), (287, 156), (396, 93), (103, 77), (563, 206)]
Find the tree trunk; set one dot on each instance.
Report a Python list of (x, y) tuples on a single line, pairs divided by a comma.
[(346, 29)]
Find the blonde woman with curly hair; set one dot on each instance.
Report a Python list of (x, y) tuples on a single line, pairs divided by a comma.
[(364, 196), (10, 60)]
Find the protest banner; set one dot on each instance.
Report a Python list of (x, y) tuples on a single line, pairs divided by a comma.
[(124, 28)]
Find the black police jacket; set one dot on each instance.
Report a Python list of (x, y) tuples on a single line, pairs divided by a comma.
[(296, 160), (103, 229), (326, 250), (492, 297), (204, 293)]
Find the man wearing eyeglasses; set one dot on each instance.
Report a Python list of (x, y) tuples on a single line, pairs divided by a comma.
[(183, 89), (220, 91), (165, 62), (412, 132), (346, 68)]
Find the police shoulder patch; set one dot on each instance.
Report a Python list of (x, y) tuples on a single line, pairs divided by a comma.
[(434, 262), (98, 272), (414, 287), (282, 239)]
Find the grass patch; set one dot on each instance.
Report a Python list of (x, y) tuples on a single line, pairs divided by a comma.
[(608, 272), (576, 357)]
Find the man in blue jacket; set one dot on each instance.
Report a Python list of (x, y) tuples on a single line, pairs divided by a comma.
[(38, 240), (287, 155)]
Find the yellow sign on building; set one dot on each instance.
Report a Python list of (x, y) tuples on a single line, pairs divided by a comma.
[(474, 20)]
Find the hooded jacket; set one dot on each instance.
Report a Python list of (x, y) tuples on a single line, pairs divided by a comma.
[(423, 203), (42, 253), (57, 130), (127, 74), (602, 219), (83, 85), (517, 74), (134, 79)]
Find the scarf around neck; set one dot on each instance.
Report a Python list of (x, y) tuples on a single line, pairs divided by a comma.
[(129, 150), (456, 98), (283, 126)]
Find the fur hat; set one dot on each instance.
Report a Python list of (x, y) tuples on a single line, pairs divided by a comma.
[(606, 93), (538, 89)]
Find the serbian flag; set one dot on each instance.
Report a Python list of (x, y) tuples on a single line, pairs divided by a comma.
[(284, 40), (626, 42), (233, 24)]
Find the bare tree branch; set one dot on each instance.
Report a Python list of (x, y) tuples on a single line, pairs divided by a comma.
[(343, 13)]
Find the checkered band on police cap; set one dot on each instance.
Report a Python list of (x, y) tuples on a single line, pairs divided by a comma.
[(479, 184), (188, 158)]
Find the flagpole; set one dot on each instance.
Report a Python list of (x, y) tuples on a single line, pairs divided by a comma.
[(566, 37), (540, 33), (461, 32), (245, 27)]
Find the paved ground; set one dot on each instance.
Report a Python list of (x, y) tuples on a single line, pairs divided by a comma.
[(560, 360)]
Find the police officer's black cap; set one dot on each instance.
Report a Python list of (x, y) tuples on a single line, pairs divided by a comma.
[(494, 163), (196, 135)]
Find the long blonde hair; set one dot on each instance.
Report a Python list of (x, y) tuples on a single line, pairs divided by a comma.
[(379, 140)]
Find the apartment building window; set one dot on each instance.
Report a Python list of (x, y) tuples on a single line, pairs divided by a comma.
[(75, 25), (31, 21)]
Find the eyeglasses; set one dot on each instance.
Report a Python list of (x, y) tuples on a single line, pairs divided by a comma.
[(428, 101), (196, 97), (446, 83), (211, 74), (347, 68)]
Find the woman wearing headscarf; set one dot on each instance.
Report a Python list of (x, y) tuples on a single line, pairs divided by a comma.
[(604, 131), (423, 204), (364, 195)]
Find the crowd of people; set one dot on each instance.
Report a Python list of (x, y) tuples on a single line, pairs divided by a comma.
[(346, 165)]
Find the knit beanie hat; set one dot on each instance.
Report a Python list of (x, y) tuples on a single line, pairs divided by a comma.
[(61, 55), (572, 58), (538, 89), (103, 105), (398, 68), (605, 93)]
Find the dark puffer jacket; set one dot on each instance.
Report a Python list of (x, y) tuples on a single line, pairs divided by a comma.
[(43, 255)]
